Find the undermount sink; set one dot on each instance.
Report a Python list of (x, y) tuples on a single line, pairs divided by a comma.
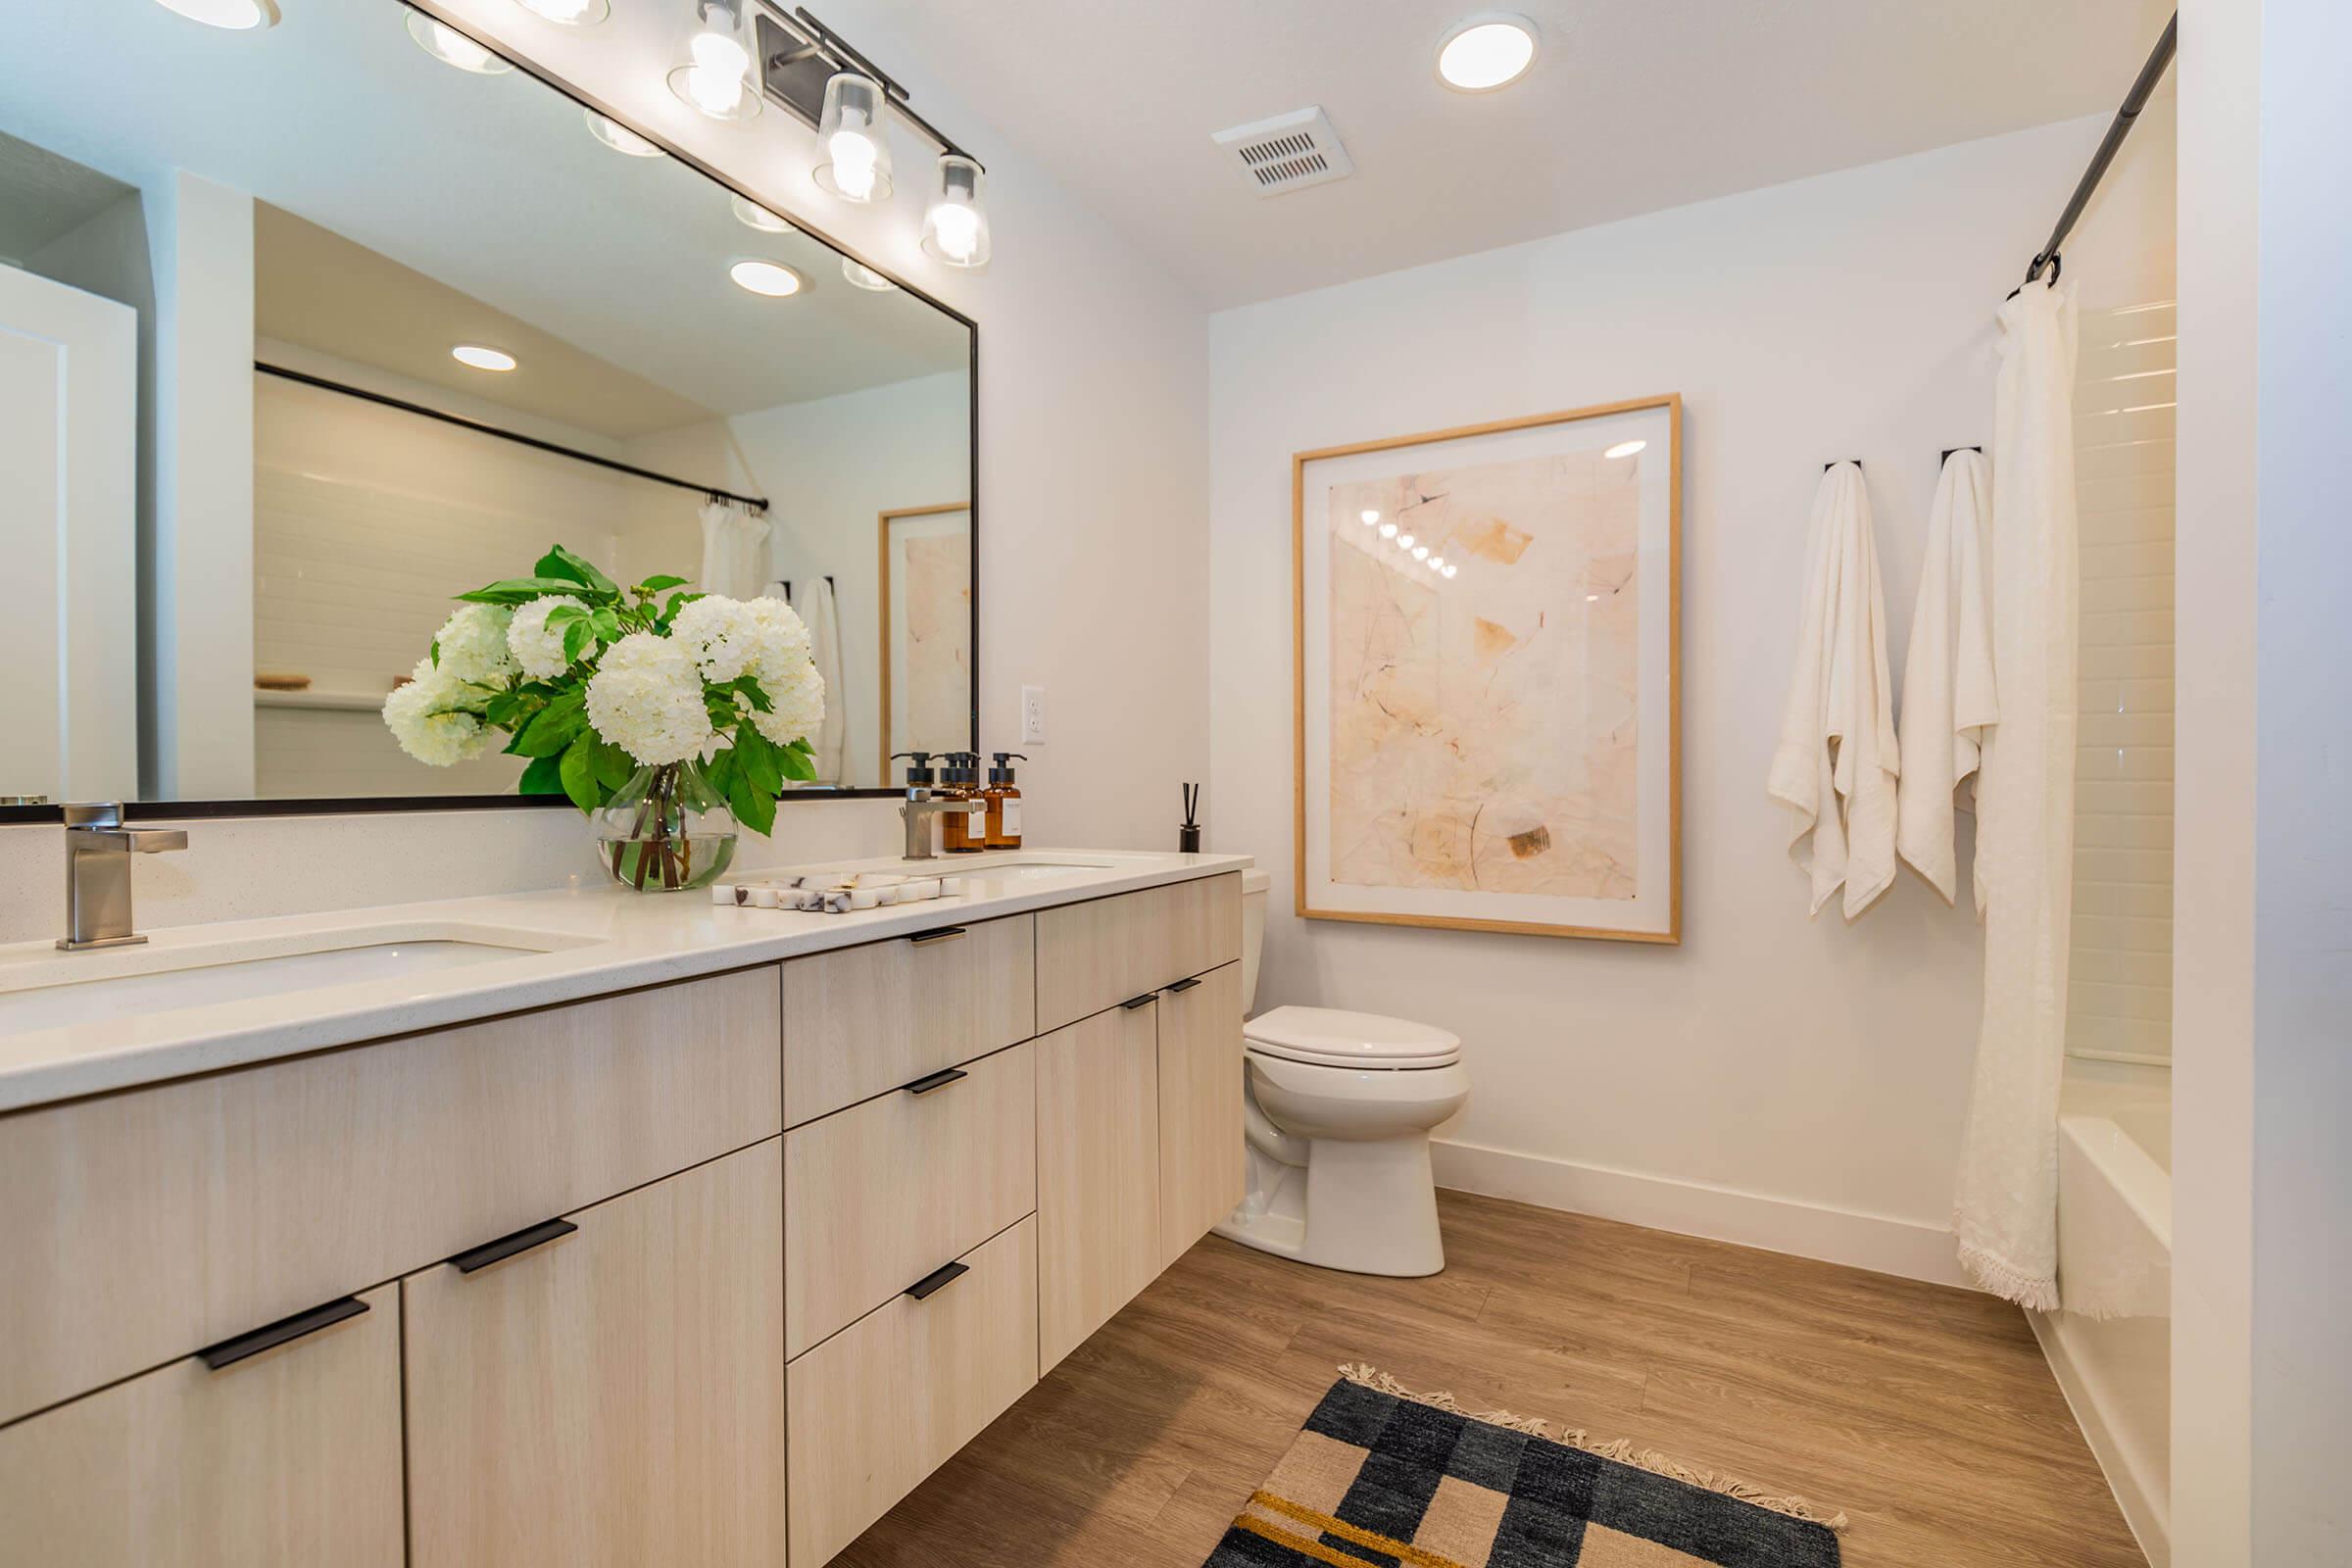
[(44, 992)]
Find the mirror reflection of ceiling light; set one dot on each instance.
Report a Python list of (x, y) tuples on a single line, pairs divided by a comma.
[(1487, 51), (766, 278), (568, 12), (237, 15), (483, 359), (453, 48), (752, 214), (619, 137), (1388, 531), (865, 277), (856, 153), (956, 225), (1625, 449), (716, 75)]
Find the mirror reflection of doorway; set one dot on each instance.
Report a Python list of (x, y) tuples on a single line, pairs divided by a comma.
[(926, 616)]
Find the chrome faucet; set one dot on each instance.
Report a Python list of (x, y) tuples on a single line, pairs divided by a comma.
[(98, 851), (920, 808)]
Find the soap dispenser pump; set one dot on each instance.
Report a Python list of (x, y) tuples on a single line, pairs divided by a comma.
[(1004, 799), (918, 770), (959, 781)]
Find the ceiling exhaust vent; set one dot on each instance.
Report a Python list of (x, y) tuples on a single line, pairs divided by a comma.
[(1289, 152)]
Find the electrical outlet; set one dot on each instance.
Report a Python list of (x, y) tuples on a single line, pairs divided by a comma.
[(1033, 716)]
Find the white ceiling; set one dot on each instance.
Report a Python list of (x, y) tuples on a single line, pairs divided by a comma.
[(489, 185), (1632, 106)]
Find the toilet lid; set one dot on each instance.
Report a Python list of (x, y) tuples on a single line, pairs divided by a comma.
[(1332, 1037)]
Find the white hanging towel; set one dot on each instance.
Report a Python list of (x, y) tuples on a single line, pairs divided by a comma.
[(1949, 693), (823, 617), (1836, 762), (2005, 1209), (734, 563)]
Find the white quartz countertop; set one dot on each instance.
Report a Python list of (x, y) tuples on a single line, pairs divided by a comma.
[(603, 939)]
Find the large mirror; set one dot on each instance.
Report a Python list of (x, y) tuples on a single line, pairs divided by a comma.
[(305, 330)]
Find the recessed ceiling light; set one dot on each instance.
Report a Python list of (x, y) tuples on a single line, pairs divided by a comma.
[(483, 359), (237, 16), (619, 137), (752, 214), (453, 48), (1490, 50), (1625, 449), (766, 278), (568, 12), (865, 277)]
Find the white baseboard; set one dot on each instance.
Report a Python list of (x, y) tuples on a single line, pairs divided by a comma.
[(1874, 1241), (2144, 1513)]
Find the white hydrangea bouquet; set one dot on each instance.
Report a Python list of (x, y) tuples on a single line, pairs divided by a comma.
[(617, 697)]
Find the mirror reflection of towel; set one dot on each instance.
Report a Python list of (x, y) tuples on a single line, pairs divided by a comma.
[(734, 554), (821, 613)]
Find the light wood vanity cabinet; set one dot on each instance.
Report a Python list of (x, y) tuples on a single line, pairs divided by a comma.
[(1105, 952), (289, 1456), (1098, 1173), (614, 1394), (1201, 1150)]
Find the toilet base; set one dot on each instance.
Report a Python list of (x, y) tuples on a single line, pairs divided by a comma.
[(1361, 1206)]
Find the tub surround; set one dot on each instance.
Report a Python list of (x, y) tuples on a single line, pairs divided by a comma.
[(605, 939), (589, 1233)]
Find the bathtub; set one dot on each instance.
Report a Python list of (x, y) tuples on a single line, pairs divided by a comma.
[(2111, 1347)]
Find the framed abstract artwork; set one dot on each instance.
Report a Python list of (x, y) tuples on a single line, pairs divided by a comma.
[(926, 617), (1486, 681)]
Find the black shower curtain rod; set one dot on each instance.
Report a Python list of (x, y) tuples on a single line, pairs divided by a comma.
[(2133, 102), (756, 503)]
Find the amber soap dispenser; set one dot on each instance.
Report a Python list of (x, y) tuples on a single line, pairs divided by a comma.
[(959, 780), (1004, 799)]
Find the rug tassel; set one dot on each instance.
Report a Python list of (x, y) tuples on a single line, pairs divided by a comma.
[(1621, 1450)]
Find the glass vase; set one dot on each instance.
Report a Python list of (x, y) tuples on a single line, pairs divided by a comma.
[(665, 830)]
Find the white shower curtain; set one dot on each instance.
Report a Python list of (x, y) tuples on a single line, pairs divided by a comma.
[(831, 740), (734, 561), (2005, 1210)]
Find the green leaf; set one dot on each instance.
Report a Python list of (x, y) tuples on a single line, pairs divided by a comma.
[(797, 762), (520, 590), (556, 726), (754, 810), (653, 585), (576, 638), (606, 623), (613, 766), (545, 776), (671, 607), (756, 760), (565, 614), (561, 563), (720, 771), (578, 772), (436, 652)]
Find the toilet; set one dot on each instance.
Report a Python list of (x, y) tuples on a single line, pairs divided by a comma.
[(1338, 1108)]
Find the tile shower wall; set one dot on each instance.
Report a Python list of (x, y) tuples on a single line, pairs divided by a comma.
[(2119, 1000)]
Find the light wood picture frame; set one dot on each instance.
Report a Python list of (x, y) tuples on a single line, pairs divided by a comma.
[(1494, 748), (923, 683)]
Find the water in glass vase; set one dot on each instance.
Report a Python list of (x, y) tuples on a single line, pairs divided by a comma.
[(665, 830)]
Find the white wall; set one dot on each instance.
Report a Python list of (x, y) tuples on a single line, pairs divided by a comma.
[(1783, 1082)]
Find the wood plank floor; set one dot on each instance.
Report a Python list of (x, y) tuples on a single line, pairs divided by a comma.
[(1926, 1413)]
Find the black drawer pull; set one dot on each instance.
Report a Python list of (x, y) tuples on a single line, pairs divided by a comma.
[(945, 933), (938, 1280), (279, 1333), (1144, 1001), (938, 1080), (1182, 986), (505, 1246)]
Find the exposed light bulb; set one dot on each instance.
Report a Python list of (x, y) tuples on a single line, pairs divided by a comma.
[(752, 214), (453, 48), (956, 224), (1370, 515), (235, 15), (483, 359), (957, 229), (1625, 449), (865, 277), (1388, 531), (854, 163), (766, 278), (568, 12), (718, 64), (619, 137)]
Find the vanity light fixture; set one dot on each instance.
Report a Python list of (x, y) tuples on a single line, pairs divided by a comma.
[(955, 227), (568, 12), (234, 15), (715, 78), (866, 277), (482, 358), (750, 214), (1486, 52), (1625, 449), (849, 133), (619, 137), (770, 279), (451, 47)]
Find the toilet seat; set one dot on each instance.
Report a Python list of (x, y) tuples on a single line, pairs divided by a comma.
[(1332, 1037)]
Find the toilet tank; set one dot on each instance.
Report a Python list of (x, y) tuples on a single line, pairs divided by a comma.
[(1254, 884)]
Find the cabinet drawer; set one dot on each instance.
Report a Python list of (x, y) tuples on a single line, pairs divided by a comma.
[(878, 1195), (287, 1458), (147, 1224), (863, 1020), (881, 1404), (614, 1394), (1099, 955)]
